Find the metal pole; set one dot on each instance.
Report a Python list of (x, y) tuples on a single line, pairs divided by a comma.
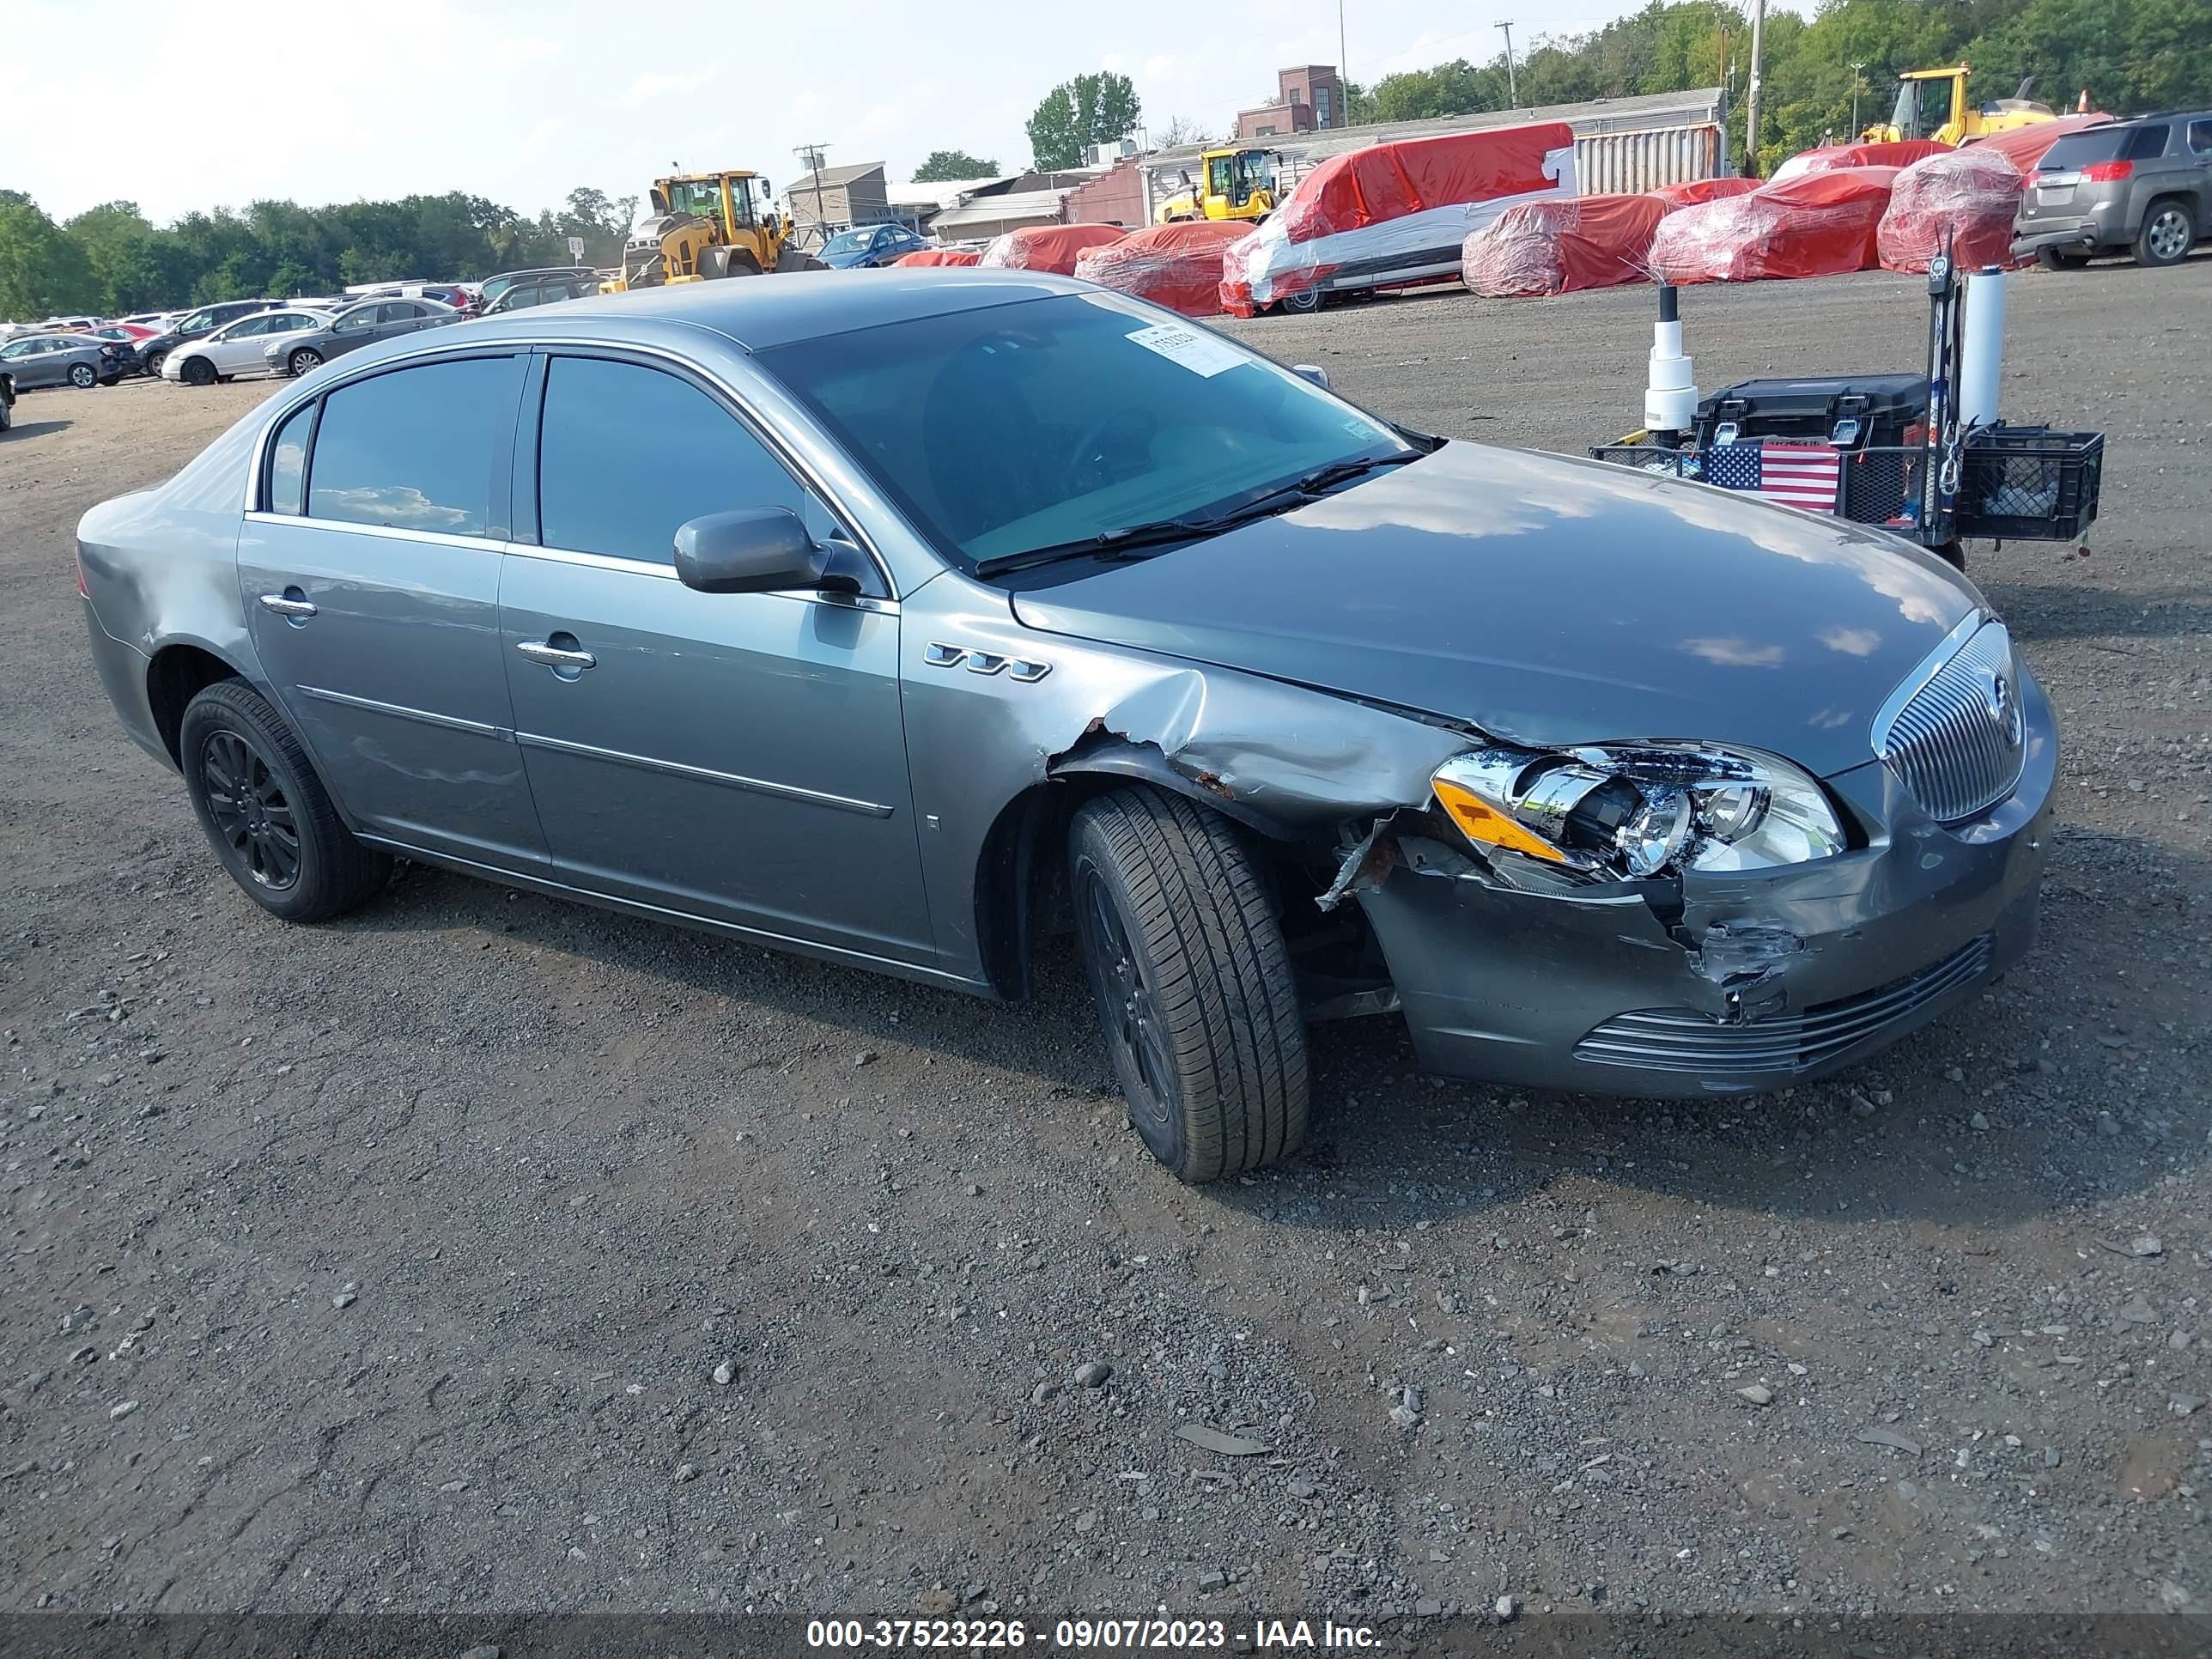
[(1751, 92), (810, 157), (1858, 80), (1512, 85), (1343, 69)]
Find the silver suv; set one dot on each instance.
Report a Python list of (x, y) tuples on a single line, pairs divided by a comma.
[(2142, 186)]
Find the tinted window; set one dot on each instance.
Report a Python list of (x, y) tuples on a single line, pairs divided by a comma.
[(354, 321), (413, 448), (520, 296), (2145, 144), (629, 453), (399, 311), (288, 460), (2200, 138)]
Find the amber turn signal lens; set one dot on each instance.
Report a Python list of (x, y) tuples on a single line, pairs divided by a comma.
[(1482, 823)]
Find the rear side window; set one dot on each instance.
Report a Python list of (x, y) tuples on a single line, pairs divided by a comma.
[(628, 453), (413, 449), (2145, 144), (288, 460), (2200, 138)]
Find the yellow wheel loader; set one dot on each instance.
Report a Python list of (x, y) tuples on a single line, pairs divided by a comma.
[(707, 225), (1233, 185), (1932, 104)]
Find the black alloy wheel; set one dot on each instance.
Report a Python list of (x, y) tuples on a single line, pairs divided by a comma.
[(252, 814)]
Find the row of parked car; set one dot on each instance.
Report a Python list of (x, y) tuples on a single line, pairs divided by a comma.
[(257, 336)]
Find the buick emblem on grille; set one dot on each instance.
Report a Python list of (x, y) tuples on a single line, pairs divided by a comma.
[(2004, 706)]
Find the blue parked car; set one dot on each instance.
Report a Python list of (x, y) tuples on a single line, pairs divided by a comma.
[(870, 245)]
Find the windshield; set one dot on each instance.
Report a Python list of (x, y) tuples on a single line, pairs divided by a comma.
[(1009, 428), (851, 242)]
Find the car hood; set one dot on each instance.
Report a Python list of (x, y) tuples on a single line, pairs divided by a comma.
[(1547, 601)]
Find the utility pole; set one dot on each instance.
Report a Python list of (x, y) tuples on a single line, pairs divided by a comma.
[(1858, 81), (1512, 85), (1343, 69), (1751, 91), (810, 157)]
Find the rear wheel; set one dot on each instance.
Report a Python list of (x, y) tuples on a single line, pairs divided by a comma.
[(304, 361), (153, 361), (1303, 303), (2060, 259), (196, 371), (267, 814), (83, 376), (1193, 986), (2169, 231)]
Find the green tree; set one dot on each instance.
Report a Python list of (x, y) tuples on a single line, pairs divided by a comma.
[(42, 269), (1454, 88), (942, 165), (1091, 109), (119, 244)]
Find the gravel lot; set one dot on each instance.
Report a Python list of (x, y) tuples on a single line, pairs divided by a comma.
[(482, 1252)]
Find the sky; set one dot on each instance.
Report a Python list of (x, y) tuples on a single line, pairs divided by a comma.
[(207, 103)]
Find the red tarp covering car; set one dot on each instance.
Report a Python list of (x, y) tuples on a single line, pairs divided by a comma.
[(1393, 215), (1561, 244), (1902, 153), (1048, 247), (2023, 146), (1968, 196), (1692, 191), (1817, 224), (938, 256), (1178, 266)]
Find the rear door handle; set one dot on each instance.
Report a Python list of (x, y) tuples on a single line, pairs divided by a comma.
[(290, 603), (554, 656)]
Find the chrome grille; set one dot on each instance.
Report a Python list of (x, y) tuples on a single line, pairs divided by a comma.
[(1682, 1040), (1952, 732)]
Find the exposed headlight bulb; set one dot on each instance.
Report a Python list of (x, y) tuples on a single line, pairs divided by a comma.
[(1656, 831)]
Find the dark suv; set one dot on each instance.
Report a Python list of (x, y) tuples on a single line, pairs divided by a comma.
[(2143, 186)]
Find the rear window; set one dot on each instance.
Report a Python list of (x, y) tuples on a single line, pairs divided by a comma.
[(2081, 149)]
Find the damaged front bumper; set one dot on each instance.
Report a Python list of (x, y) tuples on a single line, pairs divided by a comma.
[(1714, 984)]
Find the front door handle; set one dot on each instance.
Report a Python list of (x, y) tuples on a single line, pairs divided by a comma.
[(291, 603), (556, 656)]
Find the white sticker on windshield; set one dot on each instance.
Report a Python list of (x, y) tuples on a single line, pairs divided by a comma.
[(1193, 348)]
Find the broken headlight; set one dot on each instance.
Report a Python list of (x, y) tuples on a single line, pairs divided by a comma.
[(1640, 809)]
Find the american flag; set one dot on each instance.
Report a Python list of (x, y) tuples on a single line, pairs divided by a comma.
[(1796, 475)]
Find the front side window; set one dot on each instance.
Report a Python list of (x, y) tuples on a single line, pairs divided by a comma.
[(355, 321), (520, 296), (1006, 428), (412, 449), (628, 453), (198, 319)]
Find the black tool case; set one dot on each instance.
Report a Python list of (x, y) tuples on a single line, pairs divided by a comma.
[(1851, 411)]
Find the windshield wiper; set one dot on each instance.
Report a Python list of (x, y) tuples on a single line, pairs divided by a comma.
[(1121, 543)]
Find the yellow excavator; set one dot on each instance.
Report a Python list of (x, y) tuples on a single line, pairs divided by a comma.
[(1233, 185), (1932, 104), (707, 225)]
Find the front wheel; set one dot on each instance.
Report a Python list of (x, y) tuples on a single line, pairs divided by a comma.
[(266, 812), (1193, 986), (2169, 231), (197, 371), (83, 376), (1303, 303), (153, 361), (305, 360)]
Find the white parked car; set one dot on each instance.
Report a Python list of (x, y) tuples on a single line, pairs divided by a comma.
[(238, 348)]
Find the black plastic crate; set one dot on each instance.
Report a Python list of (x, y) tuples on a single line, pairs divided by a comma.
[(2029, 483)]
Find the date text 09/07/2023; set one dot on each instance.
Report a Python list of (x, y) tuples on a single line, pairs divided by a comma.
[(1081, 1635)]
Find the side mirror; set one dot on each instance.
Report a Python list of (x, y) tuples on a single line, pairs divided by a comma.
[(1313, 371), (754, 550)]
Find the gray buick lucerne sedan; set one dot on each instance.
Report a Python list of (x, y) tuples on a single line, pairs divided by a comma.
[(909, 619)]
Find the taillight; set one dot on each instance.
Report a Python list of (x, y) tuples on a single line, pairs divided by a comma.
[(2108, 172)]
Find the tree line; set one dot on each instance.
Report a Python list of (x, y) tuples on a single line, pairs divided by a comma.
[(112, 260), (2129, 55)]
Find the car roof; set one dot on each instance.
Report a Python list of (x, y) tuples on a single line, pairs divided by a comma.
[(758, 314)]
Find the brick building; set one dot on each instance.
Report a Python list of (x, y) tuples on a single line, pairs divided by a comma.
[(1308, 99)]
